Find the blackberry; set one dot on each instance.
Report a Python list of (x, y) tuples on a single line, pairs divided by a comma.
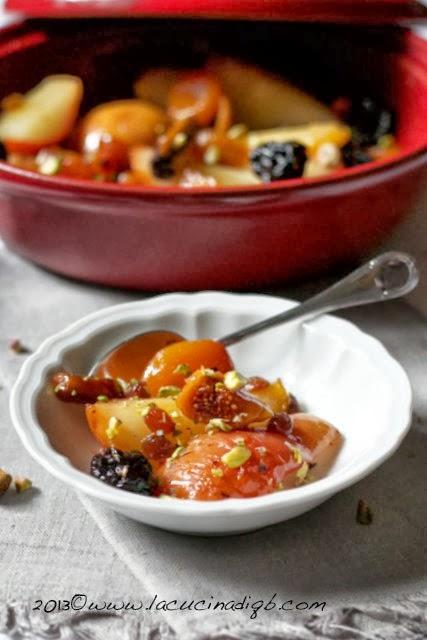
[(278, 160), (130, 471), (369, 121), (3, 153), (353, 154)]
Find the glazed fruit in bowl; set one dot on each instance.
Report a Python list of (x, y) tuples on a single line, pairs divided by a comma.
[(193, 128), (213, 199), (192, 427), (119, 445)]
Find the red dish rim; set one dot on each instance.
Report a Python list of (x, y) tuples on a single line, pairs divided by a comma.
[(308, 10)]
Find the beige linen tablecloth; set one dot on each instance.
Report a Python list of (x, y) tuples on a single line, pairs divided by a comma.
[(54, 544)]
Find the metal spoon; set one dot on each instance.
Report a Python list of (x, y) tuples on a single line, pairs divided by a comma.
[(389, 275)]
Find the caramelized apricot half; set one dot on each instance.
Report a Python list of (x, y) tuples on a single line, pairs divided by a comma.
[(174, 363)]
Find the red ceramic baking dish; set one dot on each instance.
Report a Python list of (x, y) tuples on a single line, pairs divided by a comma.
[(230, 237)]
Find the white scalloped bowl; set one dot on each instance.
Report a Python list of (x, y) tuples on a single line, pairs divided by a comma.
[(338, 372)]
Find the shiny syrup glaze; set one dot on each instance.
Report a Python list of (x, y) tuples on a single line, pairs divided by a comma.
[(271, 466), (277, 461), (129, 360)]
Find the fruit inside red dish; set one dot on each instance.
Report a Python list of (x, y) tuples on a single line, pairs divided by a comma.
[(226, 123), (190, 426)]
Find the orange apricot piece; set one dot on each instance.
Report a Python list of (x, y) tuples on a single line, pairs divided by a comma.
[(174, 363)]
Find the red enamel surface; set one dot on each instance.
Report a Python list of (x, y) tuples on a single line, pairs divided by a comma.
[(163, 239), (314, 10)]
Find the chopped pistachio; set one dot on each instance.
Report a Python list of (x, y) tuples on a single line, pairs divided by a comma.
[(212, 155), (328, 155), (183, 369), (219, 386), (50, 166), (364, 513), (178, 451), (217, 472), (209, 373), (234, 380), (5, 480), (217, 423), (174, 414), (179, 141), (22, 484), (296, 453), (302, 471), (113, 427), (237, 131), (168, 391), (236, 456), (238, 418), (146, 409), (102, 398), (387, 141)]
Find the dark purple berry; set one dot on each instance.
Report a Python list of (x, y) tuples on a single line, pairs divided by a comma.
[(369, 121), (3, 153), (353, 154), (278, 160), (130, 471)]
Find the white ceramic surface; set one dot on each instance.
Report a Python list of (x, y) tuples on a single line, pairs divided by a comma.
[(335, 370)]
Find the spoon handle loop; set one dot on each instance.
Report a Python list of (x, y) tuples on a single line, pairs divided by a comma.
[(389, 275)]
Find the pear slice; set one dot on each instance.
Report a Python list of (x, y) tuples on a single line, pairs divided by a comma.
[(154, 85), (42, 117), (262, 100), (129, 423)]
